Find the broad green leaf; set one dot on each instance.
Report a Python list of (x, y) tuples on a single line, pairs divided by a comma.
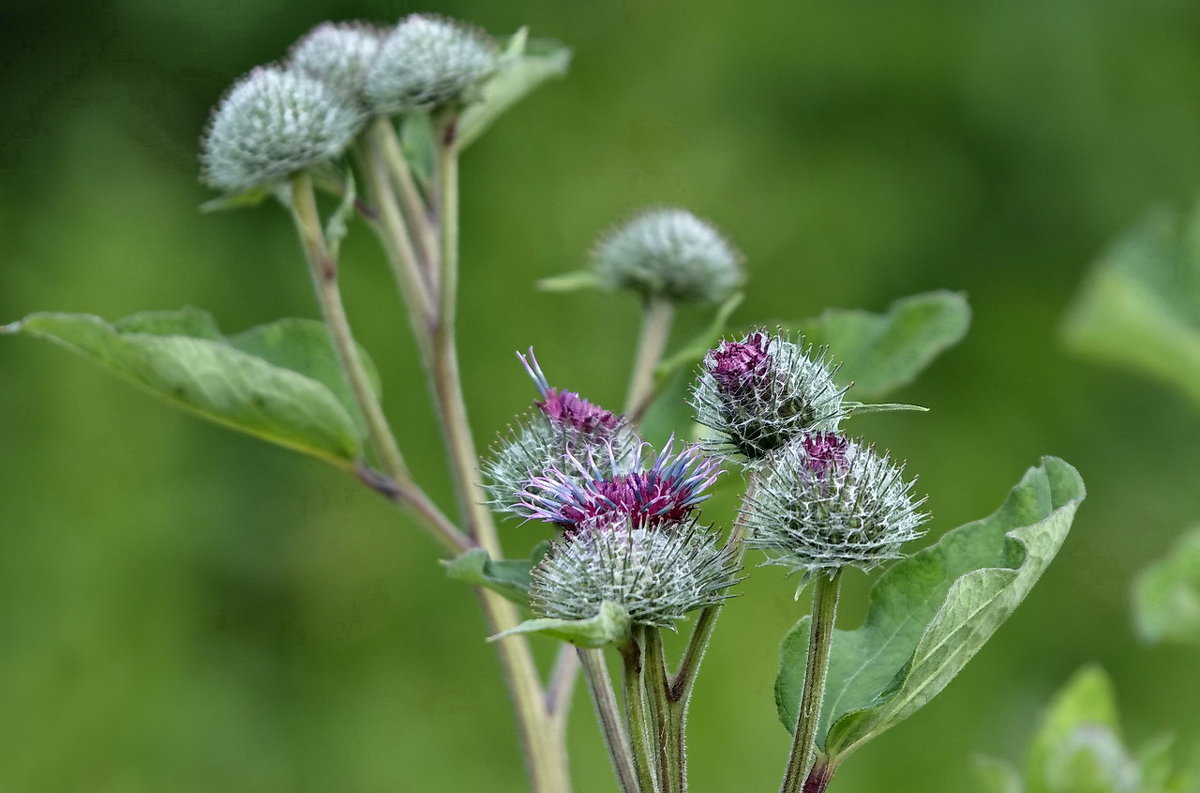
[(1087, 700), (996, 776), (931, 612), (509, 577), (610, 626), (1140, 306), (274, 382), (1166, 595), (1091, 759), (525, 64), (882, 352)]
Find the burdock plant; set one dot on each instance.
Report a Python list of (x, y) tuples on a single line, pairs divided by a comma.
[(631, 553)]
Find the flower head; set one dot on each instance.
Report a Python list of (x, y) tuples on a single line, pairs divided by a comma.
[(338, 55), (764, 391), (427, 63), (563, 428), (664, 494), (826, 502), (669, 253), (656, 576), (271, 124)]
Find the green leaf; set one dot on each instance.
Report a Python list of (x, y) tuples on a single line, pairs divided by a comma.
[(278, 382), (573, 281), (1086, 701), (996, 776), (1166, 595), (882, 352), (224, 203), (509, 577), (419, 144), (1140, 305), (525, 64), (610, 626), (931, 612)]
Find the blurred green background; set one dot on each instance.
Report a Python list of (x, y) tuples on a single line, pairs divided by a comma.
[(186, 609)]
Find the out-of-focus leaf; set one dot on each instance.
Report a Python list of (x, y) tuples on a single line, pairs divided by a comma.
[(1166, 595), (1087, 700), (275, 382), (996, 776), (419, 145), (250, 198), (525, 64), (573, 281), (610, 626), (882, 352), (931, 612), (1140, 306), (509, 577), (1091, 759)]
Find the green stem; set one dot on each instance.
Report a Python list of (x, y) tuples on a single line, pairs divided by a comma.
[(664, 717), (656, 329), (609, 715), (397, 243), (637, 715), (820, 640), (426, 246), (544, 745), (820, 775)]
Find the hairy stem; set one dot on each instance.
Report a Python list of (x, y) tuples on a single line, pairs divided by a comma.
[(636, 714), (656, 328), (664, 717), (609, 715), (424, 236), (544, 746), (820, 640)]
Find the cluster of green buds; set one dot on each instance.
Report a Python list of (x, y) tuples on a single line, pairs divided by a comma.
[(307, 110)]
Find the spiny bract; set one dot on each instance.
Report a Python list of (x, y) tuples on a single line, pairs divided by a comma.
[(339, 55)]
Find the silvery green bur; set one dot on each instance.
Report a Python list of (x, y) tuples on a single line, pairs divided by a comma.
[(274, 123), (764, 391), (339, 55), (427, 63), (825, 502), (668, 253)]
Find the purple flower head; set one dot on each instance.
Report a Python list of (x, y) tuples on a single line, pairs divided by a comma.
[(737, 365), (823, 451), (665, 494), (567, 407)]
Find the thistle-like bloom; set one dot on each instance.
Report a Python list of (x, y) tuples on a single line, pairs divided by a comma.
[(339, 56), (669, 253), (563, 427), (657, 575), (427, 63), (271, 124), (762, 392), (666, 493), (825, 502)]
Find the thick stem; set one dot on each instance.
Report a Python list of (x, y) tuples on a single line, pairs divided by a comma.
[(656, 328), (637, 714), (820, 775), (324, 271), (393, 234), (609, 715), (415, 210), (665, 716), (544, 745), (820, 640)]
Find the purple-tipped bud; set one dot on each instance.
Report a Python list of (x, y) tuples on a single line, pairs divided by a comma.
[(823, 451), (764, 391), (663, 495), (568, 407), (563, 429)]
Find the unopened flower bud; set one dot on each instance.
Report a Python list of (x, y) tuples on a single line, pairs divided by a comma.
[(825, 502), (762, 392), (271, 124), (427, 63), (656, 575), (669, 253), (339, 56), (563, 429)]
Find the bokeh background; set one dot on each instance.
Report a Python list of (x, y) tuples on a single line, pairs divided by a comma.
[(186, 609)]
